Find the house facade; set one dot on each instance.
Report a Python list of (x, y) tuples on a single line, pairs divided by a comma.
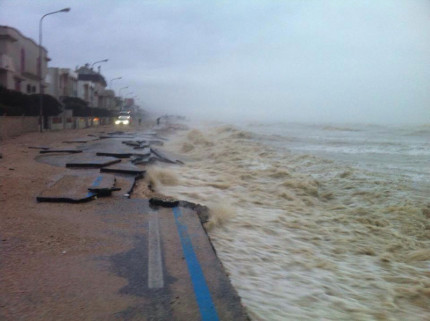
[(107, 100), (92, 88), (19, 62), (62, 82)]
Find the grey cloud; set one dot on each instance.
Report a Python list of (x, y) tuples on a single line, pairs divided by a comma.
[(296, 60)]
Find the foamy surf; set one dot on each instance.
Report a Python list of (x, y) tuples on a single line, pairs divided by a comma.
[(302, 237)]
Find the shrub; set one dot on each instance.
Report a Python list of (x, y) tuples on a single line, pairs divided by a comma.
[(15, 103)]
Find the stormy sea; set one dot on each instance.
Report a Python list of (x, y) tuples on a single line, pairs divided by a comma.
[(314, 222)]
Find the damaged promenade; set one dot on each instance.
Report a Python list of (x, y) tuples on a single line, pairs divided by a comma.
[(83, 235)]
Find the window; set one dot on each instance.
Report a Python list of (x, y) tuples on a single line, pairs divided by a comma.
[(17, 85), (22, 60), (28, 89), (39, 67)]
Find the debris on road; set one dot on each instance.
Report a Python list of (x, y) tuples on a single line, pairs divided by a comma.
[(123, 168), (92, 162), (163, 201), (113, 156), (69, 151), (163, 157)]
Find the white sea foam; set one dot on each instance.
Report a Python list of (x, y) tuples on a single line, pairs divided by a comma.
[(307, 238)]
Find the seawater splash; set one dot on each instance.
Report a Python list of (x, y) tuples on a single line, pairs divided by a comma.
[(307, 238)]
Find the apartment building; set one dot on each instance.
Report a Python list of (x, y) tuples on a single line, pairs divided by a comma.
[(19, 61)]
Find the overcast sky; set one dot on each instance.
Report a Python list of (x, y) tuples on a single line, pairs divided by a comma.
[(291, 60)]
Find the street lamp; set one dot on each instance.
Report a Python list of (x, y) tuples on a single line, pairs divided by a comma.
[(40, 63), (119, 95), (119, 91), (104, 60), (110, 82)]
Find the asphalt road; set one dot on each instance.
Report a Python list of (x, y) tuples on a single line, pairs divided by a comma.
[(156, 261)]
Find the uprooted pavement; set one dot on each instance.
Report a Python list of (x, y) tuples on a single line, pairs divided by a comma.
[(103, 165)]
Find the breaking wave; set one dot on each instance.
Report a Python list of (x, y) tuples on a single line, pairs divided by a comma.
[(302, 237)]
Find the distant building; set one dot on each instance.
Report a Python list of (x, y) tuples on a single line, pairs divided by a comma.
[(92, 88), (107, 99), (62, 82), (89, 83), (19, 61), (129, 104)]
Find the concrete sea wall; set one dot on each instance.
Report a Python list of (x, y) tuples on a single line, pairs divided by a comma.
[(12, 126)]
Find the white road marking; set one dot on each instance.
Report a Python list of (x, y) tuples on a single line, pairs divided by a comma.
[(155, 266)]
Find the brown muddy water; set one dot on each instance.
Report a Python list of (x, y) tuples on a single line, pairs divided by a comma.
[(305, 235)]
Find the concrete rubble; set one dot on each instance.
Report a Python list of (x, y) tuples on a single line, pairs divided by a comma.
[(112, 155)]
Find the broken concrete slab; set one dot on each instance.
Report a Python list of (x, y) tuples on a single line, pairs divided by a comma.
[(163, 201), (126, 183), (104, 185), (68, 151), (121, 153), (88, 161), (142, 152), (113, 147), (201, 210), (39, 147), (123, 168), (156, 142), (115, 136), (139, 144), (113, 154), (152, 135), (162, 156), (81, 140), (142, 160), (136, 143), (70, 189), (78, 188), (118, 135)]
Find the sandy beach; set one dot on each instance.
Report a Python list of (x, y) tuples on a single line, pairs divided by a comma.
[(35, 235)]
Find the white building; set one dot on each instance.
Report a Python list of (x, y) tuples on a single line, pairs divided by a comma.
[(62, 82), (92, 88), (19, 61)]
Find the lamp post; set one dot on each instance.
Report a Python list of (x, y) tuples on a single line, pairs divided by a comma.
[(104, 60), (110, 82), (40, 65), (119, 92), (119, 95)]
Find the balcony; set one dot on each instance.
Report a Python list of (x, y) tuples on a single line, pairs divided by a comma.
[(6, 63)]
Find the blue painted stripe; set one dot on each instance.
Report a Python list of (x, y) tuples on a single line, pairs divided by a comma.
[(96, 183), (201, 290)]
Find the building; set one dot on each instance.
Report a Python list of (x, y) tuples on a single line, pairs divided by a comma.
[(107, 100), (92, 89), (91, 86), (62, 82), (19, 61), (86, 89)]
